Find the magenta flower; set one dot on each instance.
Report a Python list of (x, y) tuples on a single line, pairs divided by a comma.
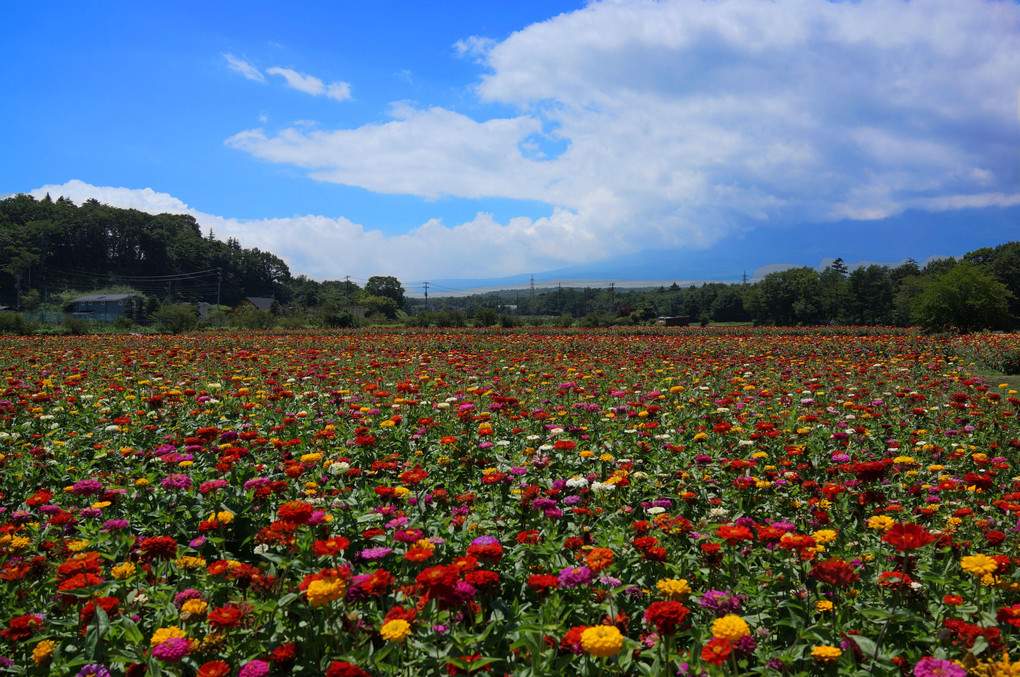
[(936, 667), (171, 650)]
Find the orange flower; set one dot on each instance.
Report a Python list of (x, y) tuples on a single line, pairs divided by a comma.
[(907, 536), (599, 559)]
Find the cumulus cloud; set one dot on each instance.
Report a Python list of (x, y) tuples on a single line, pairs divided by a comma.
[(675, 122), (332, 247), (309, 84), (244, 68)]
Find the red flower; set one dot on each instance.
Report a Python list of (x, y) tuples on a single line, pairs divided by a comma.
[(667, 617), (529, 537), (482, 578), (572, 640), (733, 534), (344, 669), (214, 669), (717, 651), (21, 628), (452, 669), (107, 604), (894, 579), (952, 600), (159, 547), (329, 547), (225, 617), (835, 572), (907, 537), (541, 584), (285, 655), (295, 512), (1010, 615)]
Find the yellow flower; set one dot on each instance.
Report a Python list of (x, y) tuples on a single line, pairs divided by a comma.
[(1001, 668), (123, 570), (77, 545), (19, 543), (606, 457), (163, 634), (673, 588), (190, 562), (824, 653), (43, 652), (824, 606), (880, 522), (823, 536), (311, 458), (602, 641), (586, 453), (395, 630), (979, 565), (324, 591), (194, 607), (730, 627)]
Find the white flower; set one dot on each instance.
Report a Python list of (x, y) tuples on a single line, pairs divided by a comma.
[(261, 548), (656, 510), (600, 488), (577, 482), (718, 514)]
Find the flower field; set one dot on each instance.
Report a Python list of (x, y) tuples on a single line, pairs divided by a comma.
[(508, 503)]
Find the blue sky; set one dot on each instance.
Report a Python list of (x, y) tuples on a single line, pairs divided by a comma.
[(466, 140)]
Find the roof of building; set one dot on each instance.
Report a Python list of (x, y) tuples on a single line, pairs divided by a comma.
[(260, 302), (104, 297)]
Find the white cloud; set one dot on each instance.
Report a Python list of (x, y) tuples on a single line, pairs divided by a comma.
[(244, 68), (474, 46), (675, 122), (309, 84), (331, 247)]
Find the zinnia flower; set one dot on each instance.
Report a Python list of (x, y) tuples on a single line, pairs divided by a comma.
[(979, 565), (395, 630), (717, 651), (344, 669), (254, 668), (936, 667), (602, 641), (43, 652), (214, 669), (666, 616), (93, 670), (731, 627), (171, 650), (673, 588), (907, 537), (824, 653)]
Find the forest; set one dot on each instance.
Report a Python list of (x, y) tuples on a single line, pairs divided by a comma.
[(51, 250)]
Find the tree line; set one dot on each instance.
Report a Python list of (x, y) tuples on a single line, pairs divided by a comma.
[(50, 246)]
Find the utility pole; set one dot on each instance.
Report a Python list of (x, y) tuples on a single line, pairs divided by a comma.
[(426, 297), (745, 278), (219, 284), (559, 297), (533, 295), (612, 297)]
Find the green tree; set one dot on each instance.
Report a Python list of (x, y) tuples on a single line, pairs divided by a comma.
[(387, 286), (175, 319), (964, 299), (787, 297), (870, 295)]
